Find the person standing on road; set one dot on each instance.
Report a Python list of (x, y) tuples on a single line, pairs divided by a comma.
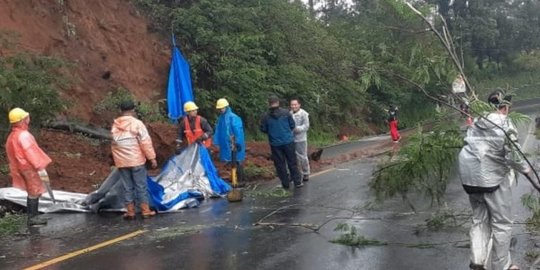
[(393, 123), (301, 120), (278, 124), (131, 148), (229, 136), (194, 128), (486, 168), (27, 163)]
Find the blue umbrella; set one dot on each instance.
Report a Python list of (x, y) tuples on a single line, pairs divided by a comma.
[(179, 90)]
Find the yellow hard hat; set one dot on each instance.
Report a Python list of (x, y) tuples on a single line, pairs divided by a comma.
[(221, 103), (17, 115), (190, 106)]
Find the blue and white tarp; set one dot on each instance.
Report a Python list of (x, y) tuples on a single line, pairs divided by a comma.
[(184, 181), (185, 177)]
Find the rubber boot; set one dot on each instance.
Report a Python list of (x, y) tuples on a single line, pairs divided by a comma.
[(34, 219), (130, 213), (146, 212)]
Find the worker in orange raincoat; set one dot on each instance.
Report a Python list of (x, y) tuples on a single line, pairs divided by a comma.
[(193, 127), (27, 163), (131, 148)]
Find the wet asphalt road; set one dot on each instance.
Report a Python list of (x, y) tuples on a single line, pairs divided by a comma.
[(222, 235)]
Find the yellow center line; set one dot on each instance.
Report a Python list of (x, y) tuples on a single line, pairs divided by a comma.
[(84, 250), (322, 172)]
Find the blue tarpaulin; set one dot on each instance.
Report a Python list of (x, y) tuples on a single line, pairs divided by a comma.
[(185, 179), (179, 90)]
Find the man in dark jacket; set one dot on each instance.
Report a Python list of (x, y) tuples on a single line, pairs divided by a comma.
[(278, 124)]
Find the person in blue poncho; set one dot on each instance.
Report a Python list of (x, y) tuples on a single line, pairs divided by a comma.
[(229, 136)]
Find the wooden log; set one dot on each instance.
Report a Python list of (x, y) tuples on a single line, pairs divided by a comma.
[(89, 131)]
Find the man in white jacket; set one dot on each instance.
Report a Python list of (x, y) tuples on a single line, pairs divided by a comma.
[(301, 119), (486, 167)]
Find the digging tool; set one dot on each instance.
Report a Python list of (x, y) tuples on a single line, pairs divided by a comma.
[(49, 190), (235, 195)]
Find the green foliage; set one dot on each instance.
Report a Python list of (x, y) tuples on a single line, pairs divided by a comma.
[(479, 107), (528, 61), (342, 70), (31, 82), (423, 165), (11, 223), (440, 220), (523, 84), (4, 169), (150, 112), (345, 63), (531, 255), (532, 203), (350, 237), (113, 99), (254, 172), (277, 192), (318, 139)]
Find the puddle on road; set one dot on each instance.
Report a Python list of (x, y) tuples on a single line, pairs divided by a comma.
[(273, 193), (171, 232)]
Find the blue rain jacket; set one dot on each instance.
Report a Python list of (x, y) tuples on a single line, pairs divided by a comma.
[(229, 124)]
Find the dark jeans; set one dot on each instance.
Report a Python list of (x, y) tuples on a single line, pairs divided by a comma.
[(134, 181), (284, 157)]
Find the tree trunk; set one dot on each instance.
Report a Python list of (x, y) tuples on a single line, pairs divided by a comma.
[(89, 131)]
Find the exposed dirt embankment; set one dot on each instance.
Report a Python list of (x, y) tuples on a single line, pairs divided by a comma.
[(107, 41), (109, 46)]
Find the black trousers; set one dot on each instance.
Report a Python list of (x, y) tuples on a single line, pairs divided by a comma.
[(284, 157)]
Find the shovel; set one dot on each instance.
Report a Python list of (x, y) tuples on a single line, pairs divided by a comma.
[(49, 190), (235, 195)]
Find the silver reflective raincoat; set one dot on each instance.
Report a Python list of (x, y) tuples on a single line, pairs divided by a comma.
[(488, 155), (488, 161)]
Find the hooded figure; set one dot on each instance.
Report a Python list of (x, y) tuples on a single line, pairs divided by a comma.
[(27, 163), (486, 167), (229, 125), (131, 147), (229, 135)]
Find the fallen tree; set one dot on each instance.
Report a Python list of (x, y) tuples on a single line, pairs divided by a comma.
[(89, 131)]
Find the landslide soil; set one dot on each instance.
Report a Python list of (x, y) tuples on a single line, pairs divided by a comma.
[(109, 44), (80, 164)]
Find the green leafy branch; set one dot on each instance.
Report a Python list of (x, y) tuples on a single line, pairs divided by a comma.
[(423, 164)]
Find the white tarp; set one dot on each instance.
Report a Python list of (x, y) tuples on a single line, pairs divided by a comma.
[(185, 179)]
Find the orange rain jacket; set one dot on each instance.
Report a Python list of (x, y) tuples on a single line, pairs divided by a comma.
[(25, 160), (131, 145)]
